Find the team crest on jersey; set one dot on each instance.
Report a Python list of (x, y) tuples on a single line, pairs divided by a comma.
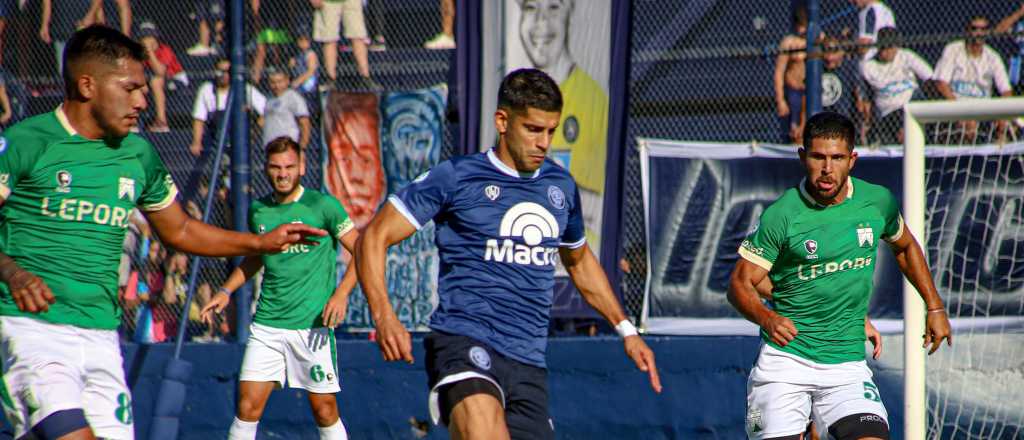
[(262, 229), (865, 236), (492, 192), (480, 358), (126, 188), (811, 247), (63, 181), (556, 197), (3, 144)]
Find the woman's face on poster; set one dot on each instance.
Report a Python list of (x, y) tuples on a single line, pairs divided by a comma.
[(543, 29)]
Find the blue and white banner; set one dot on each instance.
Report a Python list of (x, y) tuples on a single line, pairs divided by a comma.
[(701, 200)]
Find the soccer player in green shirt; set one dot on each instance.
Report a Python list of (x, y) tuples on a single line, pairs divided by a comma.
[(68, 181), (817, 245), (292, 336)]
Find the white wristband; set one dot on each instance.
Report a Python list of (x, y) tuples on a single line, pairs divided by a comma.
[(625, 328)]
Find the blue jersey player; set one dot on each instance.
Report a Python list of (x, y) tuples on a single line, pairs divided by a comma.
[(503, 219)]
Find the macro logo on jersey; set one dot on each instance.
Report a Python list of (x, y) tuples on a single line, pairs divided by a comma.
[(63, 181), (126, 188), (811, 247), (492, 192), (533, 223), (865, 235)]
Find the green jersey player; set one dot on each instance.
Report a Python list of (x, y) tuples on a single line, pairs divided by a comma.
[(292, 336), (68, 180), (817, 245)]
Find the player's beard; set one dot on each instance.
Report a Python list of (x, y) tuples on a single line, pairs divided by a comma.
[(289, 191)]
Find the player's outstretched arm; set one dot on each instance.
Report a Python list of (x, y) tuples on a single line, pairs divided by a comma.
[(744, 296), (250, 265), (28, 291), (912, 263), (387, 228), (178, 230), (592, 282), (334, 310)]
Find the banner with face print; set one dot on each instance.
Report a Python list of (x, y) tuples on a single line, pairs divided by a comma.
[(377, 145), (570, 40)]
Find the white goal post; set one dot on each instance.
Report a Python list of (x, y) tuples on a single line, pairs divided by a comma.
[(915, 115)]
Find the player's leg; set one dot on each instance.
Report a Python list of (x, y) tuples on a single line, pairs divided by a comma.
[(465, 393), (853, 411), (107, 399), (777, 410), (41, 390), (263, 369), (325, 412), (527, 402), (311, 357)]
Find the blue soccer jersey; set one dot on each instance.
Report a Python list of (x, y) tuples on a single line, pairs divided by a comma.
[(498, 235)]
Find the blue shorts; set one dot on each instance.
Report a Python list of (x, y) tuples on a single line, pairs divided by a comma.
[(795, 100), (524, 388)]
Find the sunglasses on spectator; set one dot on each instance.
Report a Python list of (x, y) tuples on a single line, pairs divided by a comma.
[(978, 28)]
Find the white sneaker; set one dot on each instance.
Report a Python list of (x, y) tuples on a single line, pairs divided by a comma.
[(201, 51), (440, 41)]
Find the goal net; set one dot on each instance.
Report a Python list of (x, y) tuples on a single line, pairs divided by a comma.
[(964, 194)]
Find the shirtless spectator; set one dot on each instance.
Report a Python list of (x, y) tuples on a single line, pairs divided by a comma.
[(789, 78)]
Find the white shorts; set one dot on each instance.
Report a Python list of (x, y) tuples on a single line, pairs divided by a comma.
[(327, 19), (55, 367), (305, 358), (785, 391)]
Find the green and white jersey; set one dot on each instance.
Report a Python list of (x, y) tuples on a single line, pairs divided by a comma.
[(68, 200), (821, 260), (298, 282)]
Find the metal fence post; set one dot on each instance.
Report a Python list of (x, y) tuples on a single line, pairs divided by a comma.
[(239, 155)]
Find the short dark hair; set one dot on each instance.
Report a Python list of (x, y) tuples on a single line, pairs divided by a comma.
[(97, 42), (282, 144), (888, 37), (529, 88), (829, 125)]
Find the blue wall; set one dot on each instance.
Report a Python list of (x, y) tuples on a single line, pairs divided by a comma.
[(596, 392)]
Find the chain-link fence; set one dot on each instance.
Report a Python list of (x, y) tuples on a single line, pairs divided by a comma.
[(308, 50), (726, 71)]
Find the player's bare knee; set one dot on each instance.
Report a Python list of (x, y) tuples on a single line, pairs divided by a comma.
[(861, 426), (325, 409), (250, 408)]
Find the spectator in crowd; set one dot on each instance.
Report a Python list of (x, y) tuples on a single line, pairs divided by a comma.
[(893, 76), (210, 15), (167, 73), (873, 16), (286, 113), (1015, 23), (7, 10), (74, 15), (969, 69), (124, 13), (274, 20), (375, 24), (789, 78), (445, 39), (211, 105), (305, 65), (6, 112), (328, 15)]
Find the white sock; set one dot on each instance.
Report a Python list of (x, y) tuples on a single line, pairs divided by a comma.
[(242, 430), (333, 432)]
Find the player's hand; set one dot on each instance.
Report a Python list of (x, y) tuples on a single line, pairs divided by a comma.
[(196, 149), (875, 337), (639, 352), (394, 340), (334, 311), (29, 292), (780, 329), (44, 34), (214, 307), (937, 329), (288, 234)]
